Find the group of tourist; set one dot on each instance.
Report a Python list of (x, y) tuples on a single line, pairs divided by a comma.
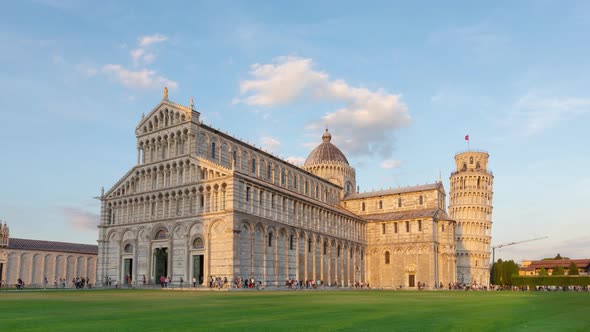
[(81, 282), (218, 282)]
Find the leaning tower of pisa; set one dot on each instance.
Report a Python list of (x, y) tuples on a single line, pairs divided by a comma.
[(471, 206)]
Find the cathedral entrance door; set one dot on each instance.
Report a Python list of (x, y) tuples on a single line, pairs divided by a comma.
[(198, 267), (127, 269), (412, 280), (160, 263)]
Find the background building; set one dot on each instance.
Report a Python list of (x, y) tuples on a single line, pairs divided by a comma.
[(34, 260), (532, 268)]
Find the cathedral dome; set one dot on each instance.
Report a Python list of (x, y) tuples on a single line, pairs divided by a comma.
[(325, 153)]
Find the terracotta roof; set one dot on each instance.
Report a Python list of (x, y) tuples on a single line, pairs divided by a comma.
[(435, 213), (551, 263), (423, 187), (26, 244), (325, 152)]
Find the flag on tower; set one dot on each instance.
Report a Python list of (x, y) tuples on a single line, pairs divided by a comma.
[(467, 137)]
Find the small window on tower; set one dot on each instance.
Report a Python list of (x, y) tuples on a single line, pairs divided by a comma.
[(383, 228), (381, 205), (363, 206), (399, 202), (421, 199), (470, 160)]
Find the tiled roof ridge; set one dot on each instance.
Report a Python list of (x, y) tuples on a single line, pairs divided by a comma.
[(399, 190), (44, 245)]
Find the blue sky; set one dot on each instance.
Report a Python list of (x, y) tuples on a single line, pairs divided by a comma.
[(398, 84)]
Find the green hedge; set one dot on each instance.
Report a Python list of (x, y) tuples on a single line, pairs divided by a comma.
[(551, 281)]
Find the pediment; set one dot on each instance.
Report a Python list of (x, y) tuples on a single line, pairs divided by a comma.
[(165, 115)]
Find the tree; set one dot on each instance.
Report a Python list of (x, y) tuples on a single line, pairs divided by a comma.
[(497, 273), (543, 272), (558, 271), (509, 269), (573, 269)]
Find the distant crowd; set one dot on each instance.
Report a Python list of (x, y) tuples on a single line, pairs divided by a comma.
[(77, 282)]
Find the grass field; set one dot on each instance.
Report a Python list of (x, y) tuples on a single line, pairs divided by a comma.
[(160, 310)]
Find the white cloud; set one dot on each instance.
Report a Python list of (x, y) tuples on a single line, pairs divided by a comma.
[(80, 219), (296, 160), (364, 124), (145, 41), (270, 143), (538, 112), (141, 56), (140, 79), (390, 163)]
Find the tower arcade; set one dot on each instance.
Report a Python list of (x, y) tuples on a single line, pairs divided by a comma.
[(470, 205)]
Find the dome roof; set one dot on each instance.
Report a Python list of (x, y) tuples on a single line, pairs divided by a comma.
[(325, 153)]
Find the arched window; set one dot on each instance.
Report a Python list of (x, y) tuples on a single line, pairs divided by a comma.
[(325, 248), (270, 239), (198, 243), (421, 199), (470, 160), (407, 226), (309, 245), (128, 249), (161, 235), (442, 227), (464, 168), (383, 228), (477, 165), (381, 205), (291, 242), (399, 202), (213, 150), (253, 165), (387, 257), (363, 206), (338, 250)]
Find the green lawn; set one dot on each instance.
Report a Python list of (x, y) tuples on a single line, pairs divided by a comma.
[(160, 310)]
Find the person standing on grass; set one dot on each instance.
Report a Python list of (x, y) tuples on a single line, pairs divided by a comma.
[(194, 282), (181, 281), (143, 281), (162, 281)]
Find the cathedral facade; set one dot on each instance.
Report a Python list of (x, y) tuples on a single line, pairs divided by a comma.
[(200, 203)]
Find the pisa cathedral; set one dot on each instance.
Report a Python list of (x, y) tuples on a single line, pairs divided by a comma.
[(201, 203)]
